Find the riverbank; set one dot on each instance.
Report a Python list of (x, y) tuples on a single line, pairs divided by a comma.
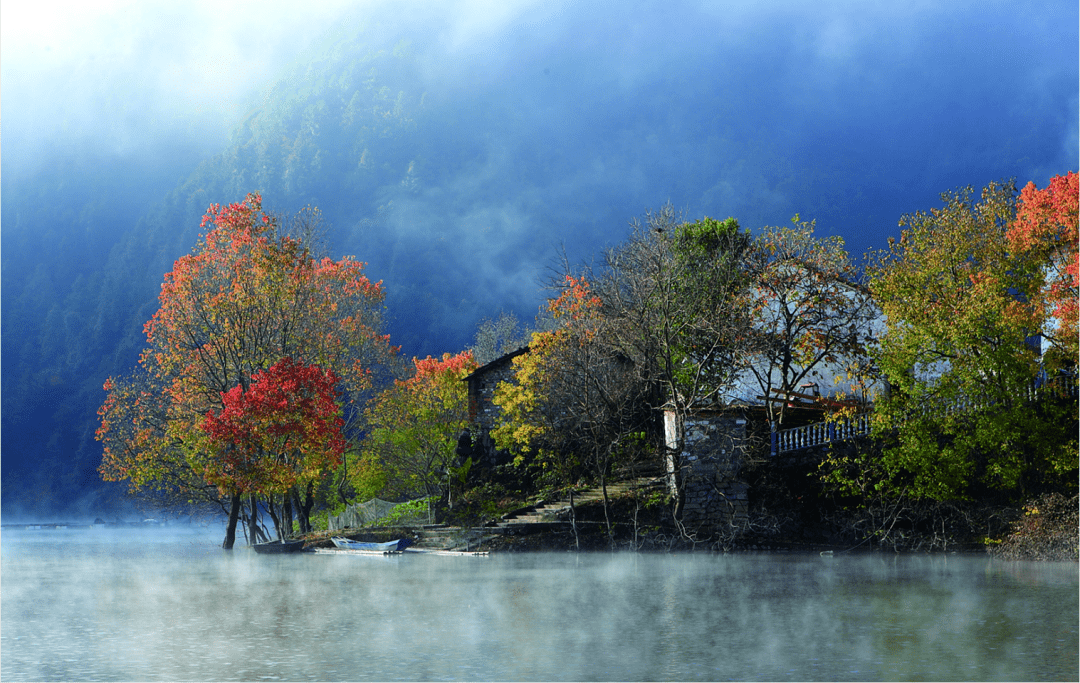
[(1045, 529)]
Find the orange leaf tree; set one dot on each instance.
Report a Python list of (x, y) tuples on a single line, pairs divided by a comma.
[(811, 313), (247, 297), (1046, 229), (576, 403), (540, 407), (412, 431)]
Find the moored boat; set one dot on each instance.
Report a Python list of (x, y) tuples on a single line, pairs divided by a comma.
[(389, 546), (278, 547)]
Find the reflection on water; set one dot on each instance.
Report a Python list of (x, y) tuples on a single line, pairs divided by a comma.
[(97, 605)]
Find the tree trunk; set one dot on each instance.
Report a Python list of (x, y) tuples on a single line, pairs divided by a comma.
[(607, 516), (309, 503), (257, 534), (343, 482), (230, 528), (271, 508), (573, 520), (303, 506), (286, 517)]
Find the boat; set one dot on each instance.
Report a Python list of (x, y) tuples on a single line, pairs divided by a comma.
[(277, 547), (388, 547)]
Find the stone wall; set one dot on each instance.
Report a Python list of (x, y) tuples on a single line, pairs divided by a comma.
[(482, 409), (482, 383), (714, 498)]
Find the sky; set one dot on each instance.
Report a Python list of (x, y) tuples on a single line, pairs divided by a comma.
[(566, 120), (886, 97), (126, 75)]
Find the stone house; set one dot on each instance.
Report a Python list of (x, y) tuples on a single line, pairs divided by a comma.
[(705, 470), (483, 411)]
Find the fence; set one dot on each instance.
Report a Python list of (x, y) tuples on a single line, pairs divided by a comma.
[(822, 433), (819, 434)]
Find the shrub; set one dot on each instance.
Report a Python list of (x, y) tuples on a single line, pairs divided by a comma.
[(1047, 530)]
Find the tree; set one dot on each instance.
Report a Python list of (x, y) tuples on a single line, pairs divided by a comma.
[(280, 434), (576, 402), (810, 313), (498, 337), (412, 430), (959, 309), (136, 447), (247, 297), (1045, 230), (678, 300)]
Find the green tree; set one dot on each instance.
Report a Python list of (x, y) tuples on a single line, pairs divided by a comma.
[(959, 412), (412, 431), (677, 299)]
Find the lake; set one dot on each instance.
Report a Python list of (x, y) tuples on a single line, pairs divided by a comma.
[(169, 604)]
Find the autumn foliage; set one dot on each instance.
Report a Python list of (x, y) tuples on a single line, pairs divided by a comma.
[(1045, 229), (576, 405), (258, 344), (961, 306), (236, 386), (412, 430), (284, 429), (534, 407), (812, 318)]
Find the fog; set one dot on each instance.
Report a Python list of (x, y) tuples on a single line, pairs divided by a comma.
[(135, 79), (851, 114), (460, 148), (168, 605)]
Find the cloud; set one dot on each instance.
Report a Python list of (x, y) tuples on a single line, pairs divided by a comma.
[(568, 119), (122, 76)]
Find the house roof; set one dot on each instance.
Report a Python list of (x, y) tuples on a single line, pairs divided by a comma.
[(501, 360)]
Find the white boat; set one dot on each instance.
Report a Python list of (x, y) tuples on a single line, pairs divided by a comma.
[(389, 546)]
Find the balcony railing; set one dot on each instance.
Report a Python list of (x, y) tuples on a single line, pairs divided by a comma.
[(819, 434), (823, 433)]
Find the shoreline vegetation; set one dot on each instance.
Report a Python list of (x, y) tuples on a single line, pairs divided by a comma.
[(1045, 529), (699, 387)]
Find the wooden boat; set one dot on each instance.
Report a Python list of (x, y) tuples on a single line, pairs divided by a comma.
[(389, 546), (278, 547)]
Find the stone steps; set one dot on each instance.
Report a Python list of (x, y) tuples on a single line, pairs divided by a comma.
[(558, 511), (543, 516)]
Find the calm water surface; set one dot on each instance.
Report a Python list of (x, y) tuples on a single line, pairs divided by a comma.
[(170, 605)]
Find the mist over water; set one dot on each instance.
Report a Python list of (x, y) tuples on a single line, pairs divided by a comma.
[(140, 605)]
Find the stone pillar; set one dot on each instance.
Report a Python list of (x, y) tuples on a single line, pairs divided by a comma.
[(714, 498)]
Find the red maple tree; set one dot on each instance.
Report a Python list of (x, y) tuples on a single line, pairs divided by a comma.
[(1045, 229), (283, 430), (247, 297)]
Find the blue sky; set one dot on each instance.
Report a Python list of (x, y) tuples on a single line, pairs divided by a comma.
[(963, 91)]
